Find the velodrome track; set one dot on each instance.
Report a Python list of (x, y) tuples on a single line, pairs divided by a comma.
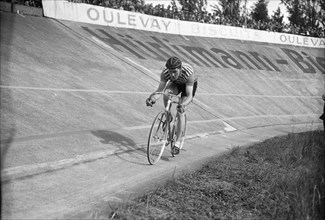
[(74, 123)]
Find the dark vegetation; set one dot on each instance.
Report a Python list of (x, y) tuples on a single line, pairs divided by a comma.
[(280, 178)]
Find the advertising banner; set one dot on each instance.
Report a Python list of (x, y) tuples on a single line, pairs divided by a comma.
[(99, 15)]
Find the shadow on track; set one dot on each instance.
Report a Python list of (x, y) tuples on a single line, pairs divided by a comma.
[(127, 149)]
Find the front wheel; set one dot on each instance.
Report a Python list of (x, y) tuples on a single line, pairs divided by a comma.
[(157, 138)]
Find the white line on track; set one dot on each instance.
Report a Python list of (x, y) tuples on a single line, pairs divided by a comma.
[(155, 76), (253, 117), (132, 61), (138, 92), (260, 96), (227, 127), (101, 42), (185, 37), (72, 90), (20, 14), (21, 171), (25, 170)]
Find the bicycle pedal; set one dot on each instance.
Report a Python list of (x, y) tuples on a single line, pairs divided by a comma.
[(175, 150)]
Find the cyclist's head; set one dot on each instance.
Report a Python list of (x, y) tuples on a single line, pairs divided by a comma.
[(173, 63), (174, 66)]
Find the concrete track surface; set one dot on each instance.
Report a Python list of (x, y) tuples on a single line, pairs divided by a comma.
[(74, 124)]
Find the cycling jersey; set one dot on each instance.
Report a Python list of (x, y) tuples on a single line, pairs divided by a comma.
[(186, 76)]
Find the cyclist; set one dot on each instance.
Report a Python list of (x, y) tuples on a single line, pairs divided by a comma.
[(176, 78)]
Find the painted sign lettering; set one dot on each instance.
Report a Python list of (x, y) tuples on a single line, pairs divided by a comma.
[(209, 57), (115, 17), (98, 15), (303, 41)]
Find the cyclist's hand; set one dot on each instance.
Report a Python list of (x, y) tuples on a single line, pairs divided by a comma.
[(150, 102), (180, 108)]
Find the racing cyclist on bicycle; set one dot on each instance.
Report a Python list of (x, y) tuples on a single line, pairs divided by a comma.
[(176, 78)]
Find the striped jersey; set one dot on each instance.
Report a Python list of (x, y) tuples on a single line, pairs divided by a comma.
[(186, 77)]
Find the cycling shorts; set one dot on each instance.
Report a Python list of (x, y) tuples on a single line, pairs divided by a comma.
[(182, 89)]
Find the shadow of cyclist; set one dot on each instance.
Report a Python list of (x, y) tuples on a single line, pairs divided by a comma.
[(124, 146)]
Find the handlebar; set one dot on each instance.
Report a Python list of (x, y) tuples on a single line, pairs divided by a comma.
[(170, 101), (171, 95)]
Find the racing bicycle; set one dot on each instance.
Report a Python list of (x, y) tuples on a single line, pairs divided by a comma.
[(162, 133)]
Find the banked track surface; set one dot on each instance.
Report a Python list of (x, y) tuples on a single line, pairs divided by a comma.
[(74, 124)]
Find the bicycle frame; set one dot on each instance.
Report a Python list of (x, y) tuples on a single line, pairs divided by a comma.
[(168, 108), (160, 136), (169, 101)]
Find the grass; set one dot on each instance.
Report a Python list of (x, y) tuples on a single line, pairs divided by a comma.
[(280, 178)]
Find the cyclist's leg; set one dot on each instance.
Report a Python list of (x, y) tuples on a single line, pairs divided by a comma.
[(180, 126), (181, 121), (170, 88), (181, 117)]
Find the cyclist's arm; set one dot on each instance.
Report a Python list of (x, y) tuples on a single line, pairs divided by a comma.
[(160, 88), (189, 95)]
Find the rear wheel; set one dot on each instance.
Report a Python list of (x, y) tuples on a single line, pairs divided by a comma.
[(157, 138)]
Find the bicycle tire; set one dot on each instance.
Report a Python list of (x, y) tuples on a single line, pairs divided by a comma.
[(157, 138), (174, 134)]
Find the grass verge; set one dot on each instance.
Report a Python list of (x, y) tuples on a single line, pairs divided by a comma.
[(280, 178)]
